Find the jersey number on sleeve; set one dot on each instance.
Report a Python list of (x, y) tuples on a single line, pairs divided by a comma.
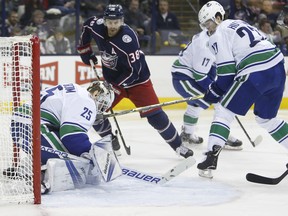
[(249, 30), (87, 114), (134, 56)]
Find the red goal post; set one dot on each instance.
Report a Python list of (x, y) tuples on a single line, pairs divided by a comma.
[(20, 164)]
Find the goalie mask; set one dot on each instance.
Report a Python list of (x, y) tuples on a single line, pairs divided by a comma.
[(103, 95)]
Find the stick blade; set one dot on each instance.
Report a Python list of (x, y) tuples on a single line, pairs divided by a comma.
[(128, 150), (178, 169), (251, 177), (258, 140)]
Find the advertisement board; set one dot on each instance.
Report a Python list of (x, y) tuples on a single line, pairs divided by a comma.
[(65, 69)]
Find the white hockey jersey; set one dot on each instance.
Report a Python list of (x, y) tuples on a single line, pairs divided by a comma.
[(69, 108), (195, 60), (241, 49)]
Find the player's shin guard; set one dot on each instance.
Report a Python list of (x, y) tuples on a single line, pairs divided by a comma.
[(165, 128), (277, 128)]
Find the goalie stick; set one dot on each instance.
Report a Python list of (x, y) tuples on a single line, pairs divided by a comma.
[(166, 177), (138, 109), (266, 180), (135, 174)]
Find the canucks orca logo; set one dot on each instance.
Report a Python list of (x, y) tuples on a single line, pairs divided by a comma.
[(215, 48), (108, 60)]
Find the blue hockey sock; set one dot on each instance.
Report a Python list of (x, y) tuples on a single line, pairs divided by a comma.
[(165, 128)]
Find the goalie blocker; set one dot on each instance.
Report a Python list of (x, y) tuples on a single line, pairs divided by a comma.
[(66, 174)]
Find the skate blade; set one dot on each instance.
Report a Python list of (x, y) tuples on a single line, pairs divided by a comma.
[(233, 148), (206, 173)]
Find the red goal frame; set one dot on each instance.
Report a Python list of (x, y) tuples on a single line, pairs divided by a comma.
[(16, 89)]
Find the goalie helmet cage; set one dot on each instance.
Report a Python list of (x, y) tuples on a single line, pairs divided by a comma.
[(20, 164)]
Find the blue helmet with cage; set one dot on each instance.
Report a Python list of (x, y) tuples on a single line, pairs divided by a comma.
[(113, 11)]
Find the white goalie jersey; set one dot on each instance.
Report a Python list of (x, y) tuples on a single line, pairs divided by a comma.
[(69, 107)]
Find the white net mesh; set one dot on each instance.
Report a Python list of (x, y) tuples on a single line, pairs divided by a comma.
[(16, 162)]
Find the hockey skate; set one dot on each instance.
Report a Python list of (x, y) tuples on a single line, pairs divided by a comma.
[(116, 145), (210, 163), (233, 144), (184, 151), (190, 138), (45, 186)]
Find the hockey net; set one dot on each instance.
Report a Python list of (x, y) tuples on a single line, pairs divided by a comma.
[(20, 166)]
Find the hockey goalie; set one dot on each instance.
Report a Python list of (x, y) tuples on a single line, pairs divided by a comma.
[(69, 160)]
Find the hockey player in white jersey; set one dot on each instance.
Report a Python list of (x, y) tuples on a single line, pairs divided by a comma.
[(250, 70), (192, 73), (68, 111)]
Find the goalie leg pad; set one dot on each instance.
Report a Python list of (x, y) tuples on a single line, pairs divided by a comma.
[(103, 156), (65, 174)]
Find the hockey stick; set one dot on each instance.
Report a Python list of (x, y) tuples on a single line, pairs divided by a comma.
[(266, 180), (132, 173), (127, 148), (166, 177), (258, 139), (145, 108)]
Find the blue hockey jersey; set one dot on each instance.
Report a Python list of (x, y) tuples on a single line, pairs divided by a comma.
[(123, 63)]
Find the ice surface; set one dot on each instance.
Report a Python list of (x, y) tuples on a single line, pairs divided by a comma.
[(228, 193)]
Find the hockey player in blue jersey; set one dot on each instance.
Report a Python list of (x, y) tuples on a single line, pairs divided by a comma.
[(124, 66), (192, 73), (250, 70)]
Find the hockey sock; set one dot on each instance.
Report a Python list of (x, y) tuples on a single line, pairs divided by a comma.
[(190, 118), (165, 128), (220, 127), (277, 128)]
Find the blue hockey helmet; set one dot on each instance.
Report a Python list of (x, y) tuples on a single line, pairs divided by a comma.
[(113, 11)]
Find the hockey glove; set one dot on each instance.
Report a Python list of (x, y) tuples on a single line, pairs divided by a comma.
[(213, 94), (85, 52), (93, 58)]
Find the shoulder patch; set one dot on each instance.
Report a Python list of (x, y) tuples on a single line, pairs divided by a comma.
[(126, 39), (100, 21)]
